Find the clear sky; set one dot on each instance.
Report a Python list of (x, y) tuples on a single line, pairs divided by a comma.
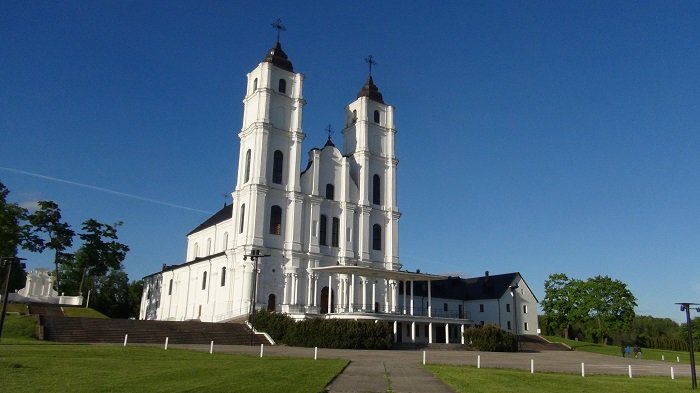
[(533, 136)]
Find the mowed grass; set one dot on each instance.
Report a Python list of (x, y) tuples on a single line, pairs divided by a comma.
[(612, 350), (471, 379), (113, 368)]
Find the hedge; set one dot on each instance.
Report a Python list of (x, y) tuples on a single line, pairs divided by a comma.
[(490, 338)]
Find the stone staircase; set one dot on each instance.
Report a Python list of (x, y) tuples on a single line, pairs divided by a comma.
[(95, 330), (531, 343), (45, 309)]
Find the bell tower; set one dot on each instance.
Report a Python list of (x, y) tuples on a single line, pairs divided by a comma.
[(369, 139), (266, 196)]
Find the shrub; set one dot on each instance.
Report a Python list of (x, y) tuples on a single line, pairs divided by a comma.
[(275, 324), (20, 326), (490, 338)]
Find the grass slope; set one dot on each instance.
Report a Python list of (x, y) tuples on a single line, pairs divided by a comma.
[(612, 350), (101, 368), (82, 312), (471, 379)]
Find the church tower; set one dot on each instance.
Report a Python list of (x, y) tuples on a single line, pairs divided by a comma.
[(369, 142)]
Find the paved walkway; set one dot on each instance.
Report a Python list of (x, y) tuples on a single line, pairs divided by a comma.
[(400, 371)]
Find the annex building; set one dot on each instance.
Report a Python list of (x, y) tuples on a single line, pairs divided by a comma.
[(320, 239)]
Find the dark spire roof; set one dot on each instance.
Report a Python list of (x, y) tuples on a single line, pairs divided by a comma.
[(371, 91), (277, 57), (329, 142)]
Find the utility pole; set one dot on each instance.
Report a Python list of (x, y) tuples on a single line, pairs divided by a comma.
[(6, 263), (254, 256), (515, 315), (686, 307)]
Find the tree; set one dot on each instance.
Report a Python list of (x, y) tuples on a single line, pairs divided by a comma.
[(561, 295), (15, 233), (601, 305), (135, 293), (610, 305), (100, 253), (47, 221)]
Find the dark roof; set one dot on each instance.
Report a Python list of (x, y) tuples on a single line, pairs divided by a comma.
[(277, 57), (371, 90), (220, 216), (476, 288), (329, 142)]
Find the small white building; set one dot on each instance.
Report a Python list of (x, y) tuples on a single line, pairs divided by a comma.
[(327, 235)]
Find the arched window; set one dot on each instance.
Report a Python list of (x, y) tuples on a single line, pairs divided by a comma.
[(225, 241), (196, 251), (247, 166), (242, 218), (255, 84), (335, 232), (276, 220), (322, 235), (376, 237), (330, 192), (283, 86), (376, 117), (204, 280), (277, 165), (354, 116), (208, 246), (376, 190), (223, 276)]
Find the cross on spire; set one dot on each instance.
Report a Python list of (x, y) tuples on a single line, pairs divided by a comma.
[(370, 60), (277, 25), (329, 131)]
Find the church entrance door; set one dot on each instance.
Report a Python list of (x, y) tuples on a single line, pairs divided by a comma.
[(324, 301), (271, 302)]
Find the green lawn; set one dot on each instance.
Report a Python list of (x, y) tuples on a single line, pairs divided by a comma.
[(82, 312), (613, 350), (102, 368), (471, 379)]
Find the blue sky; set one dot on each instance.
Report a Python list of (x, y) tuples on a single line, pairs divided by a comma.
[(537, 136)]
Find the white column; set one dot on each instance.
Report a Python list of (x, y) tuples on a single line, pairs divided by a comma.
[(411, 297), (295, 289), (447, 333), (374, 293), (430, 333), (309, 288), (315, 277), (430, 303), (286, 289), (396, 336), (461, 333), (386, 295), (395, 296), (330, 293), (413, 331), (352, 293), (404, 297)]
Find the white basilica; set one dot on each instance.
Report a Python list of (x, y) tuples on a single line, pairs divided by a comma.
[(327, 234)]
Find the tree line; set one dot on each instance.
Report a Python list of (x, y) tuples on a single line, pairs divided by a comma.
[(95, 267), (601, 309)]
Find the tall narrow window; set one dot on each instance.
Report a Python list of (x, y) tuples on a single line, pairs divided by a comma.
[(524, 308), (376, 237), (322, 229), (376, 117), (208, 246), (241, 223), (376, 190), (507, 307), (247, 166), (255, 84), (277, 165), (204, 280), (223, 276), (481, 308), (330, 192), (283, 86), (225, 241), (170, 287), (335, 232), (276, 220), (196, 251)]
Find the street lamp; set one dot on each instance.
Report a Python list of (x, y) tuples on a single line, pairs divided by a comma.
[(515, 315), (254, 256), (7, 262), (686, 307)]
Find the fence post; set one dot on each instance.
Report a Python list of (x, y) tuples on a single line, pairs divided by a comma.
[(126, 337), (478, 361), (629, 370), (424, 358), (166, 344), (261, 349), (315, 352), (663, 357), (672, 376), (211, 347), (583, 369), (532, 366)]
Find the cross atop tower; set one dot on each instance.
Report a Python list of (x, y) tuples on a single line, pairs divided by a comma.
[(277, 25), (370, 60), (329, 131)]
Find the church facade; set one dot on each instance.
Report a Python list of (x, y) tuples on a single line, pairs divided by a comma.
[(318, 241)]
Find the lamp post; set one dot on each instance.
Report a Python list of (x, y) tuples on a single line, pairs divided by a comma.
[(686, 307), (7, 262), (254, 256), (515, 315)]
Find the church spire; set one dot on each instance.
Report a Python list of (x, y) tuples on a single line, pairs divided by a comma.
[(369, 89), (276, 55)]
